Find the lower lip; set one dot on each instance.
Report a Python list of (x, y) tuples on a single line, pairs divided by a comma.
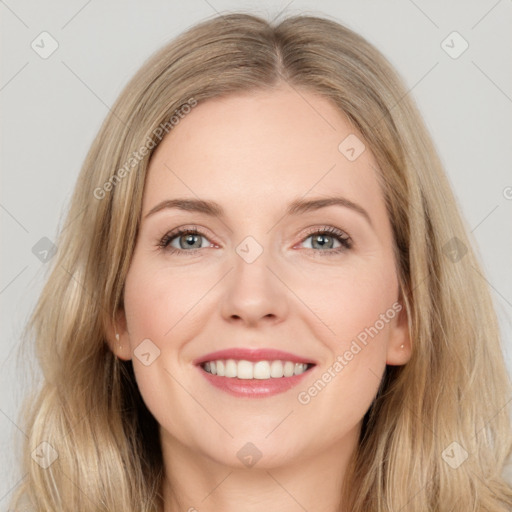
[(254, 388)]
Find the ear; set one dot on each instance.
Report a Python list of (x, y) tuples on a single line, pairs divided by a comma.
[(120, 345), (399, 345)]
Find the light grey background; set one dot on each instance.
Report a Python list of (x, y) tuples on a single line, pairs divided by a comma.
[(53, 107)]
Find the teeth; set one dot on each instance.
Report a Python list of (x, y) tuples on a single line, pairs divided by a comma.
[(231, 368), (289, 368), (243, 369), (276, 369), (261, 369)]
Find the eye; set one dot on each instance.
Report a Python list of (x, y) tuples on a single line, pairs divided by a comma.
[(329, 240), (183, 240)]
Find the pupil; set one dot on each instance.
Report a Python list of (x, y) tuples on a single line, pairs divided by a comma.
[(189, 239), (321, 239)]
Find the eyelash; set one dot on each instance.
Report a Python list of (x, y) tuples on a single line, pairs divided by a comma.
[(341, 236)]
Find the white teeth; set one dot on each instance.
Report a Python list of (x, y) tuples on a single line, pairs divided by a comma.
[(276, 369), (243, 369), (299, 368), (231, 368), (261, 370), (289, 367)]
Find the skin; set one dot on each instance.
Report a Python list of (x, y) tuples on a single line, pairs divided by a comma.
[(253, 154)]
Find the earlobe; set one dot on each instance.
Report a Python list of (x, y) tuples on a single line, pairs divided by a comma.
[(117, 337), (399, 346)]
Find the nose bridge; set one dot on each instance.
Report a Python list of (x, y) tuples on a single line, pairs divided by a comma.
[(253, 292)]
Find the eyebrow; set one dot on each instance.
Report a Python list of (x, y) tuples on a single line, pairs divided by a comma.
[(296, 207)]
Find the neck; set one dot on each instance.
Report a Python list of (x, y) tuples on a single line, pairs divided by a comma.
[(194, 482)]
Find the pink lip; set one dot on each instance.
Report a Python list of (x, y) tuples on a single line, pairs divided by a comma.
[(261, 354), (253, 388)]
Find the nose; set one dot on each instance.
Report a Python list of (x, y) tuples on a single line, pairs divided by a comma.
[(253, 293)]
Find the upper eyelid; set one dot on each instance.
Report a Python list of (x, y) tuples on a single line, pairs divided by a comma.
[(173, 233)]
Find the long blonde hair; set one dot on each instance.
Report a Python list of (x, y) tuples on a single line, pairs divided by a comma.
[(449, 402)]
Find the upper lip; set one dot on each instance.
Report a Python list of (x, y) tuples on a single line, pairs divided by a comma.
[(247, 354)]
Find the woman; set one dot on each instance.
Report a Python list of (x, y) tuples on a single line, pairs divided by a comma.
[(265, 296)]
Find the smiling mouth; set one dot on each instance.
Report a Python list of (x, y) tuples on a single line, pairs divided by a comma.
[(247, 370)]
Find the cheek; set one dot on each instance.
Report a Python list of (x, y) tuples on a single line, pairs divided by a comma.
[(156, 301), (350, 298), (156, 304), (357, 305)]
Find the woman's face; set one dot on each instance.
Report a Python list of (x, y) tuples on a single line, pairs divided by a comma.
[(293, 252)]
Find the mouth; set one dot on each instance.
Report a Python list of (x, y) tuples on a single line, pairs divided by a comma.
[(253, 373)]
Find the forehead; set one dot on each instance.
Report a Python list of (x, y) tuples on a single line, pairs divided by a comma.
[(262, 147)]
